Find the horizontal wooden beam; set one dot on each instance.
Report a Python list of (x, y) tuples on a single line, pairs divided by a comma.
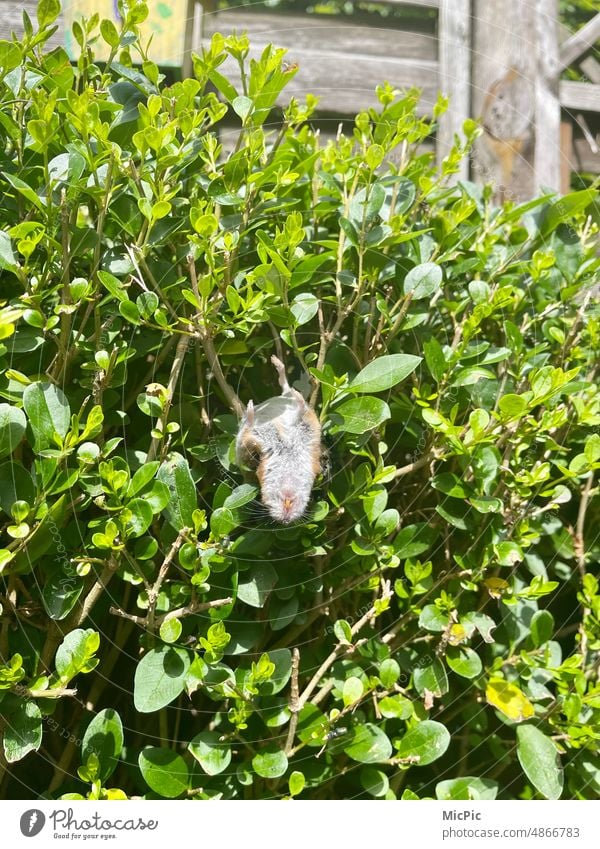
[(580, 42), (11, 20), (576, 95), (327, 33), (432, 4)]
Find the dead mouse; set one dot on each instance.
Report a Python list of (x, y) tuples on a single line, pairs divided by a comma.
[(281, 439)]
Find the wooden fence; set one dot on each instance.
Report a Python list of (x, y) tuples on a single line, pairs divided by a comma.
[(498, 60)]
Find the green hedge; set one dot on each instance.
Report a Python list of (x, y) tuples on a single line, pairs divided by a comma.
[(430, 628)]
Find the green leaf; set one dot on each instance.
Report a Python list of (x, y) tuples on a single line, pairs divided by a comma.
[(223, 85), (48, 412), (432, 677), (170, 630), (212, 755), (282, 659), (396, 707), (104, 738), (270, 763), (60, 593), (359, 415), (512, 406), (389, 672), (432, 619), (10, 55), (7, 257), (435, 359), (304, 307), (23, 731), (368, 744), (464, 661), (47, 12), (313, 725), (540, 760), (16, 484), (466, 788), (352, 691), (110, 34), (426, 742), (256, 584), (164, 771), (342, 631), (413, 540), (384, 372), (130, 312), (242, 106), (159, 678), (542, 627), (565, 207), (223, 521), (240, 496), (175, 473), (140, 519), (374, 781), (296, 783), (25, 190), (423, 280), (76, 653)]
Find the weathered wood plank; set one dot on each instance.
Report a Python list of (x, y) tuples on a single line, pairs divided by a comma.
[(547, 157), (503, 96), (585, 159), (591, 68), (515, 78), (346, 84), (327, 33), (11, 20), (576, 95), (580, 42), (432, 4), (454, 34), (566, 156)]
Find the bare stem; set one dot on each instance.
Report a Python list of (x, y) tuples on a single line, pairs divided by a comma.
[(205, 336), (340, 649), (293, 702), (180, 353)]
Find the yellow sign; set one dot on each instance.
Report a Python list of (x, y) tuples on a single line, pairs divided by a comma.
[(168, 22)]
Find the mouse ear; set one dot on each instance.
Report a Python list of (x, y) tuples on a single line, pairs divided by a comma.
[(250, 414)]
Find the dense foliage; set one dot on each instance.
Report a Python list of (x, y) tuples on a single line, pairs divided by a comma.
[(431, 628)]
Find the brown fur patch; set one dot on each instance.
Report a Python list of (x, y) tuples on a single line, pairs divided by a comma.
[(260, 472), (316, 460)]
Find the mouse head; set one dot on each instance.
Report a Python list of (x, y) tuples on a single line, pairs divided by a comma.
[(284, 493)]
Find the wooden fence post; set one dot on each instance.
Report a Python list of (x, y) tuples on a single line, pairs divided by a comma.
[(515, 93), (454, 39)]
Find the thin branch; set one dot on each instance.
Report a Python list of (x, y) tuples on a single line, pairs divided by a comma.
[(178, 613), (192, 608), (180, 352), (418, 464), (580, 555), (162, 574), (205, 336), (293, 702), (340, 649)]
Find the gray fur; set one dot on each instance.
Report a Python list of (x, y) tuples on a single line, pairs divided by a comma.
[(281, 436)]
